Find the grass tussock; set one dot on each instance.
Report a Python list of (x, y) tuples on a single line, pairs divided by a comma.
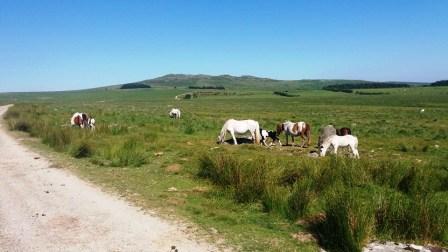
[(129, 153)]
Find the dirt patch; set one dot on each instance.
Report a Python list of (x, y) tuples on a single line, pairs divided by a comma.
[(173, 168)]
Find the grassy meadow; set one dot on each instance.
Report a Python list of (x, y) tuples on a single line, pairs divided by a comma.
[(259, 198)]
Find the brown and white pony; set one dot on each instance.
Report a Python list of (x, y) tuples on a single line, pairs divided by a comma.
[(343, 131), (295, 129), (82, 120)]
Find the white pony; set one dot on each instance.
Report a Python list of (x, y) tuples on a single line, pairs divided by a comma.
[(175, 113), (240, 127), (340, 141)]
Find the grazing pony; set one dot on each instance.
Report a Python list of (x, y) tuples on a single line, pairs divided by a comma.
[(240, 127), (343, 131), (340, 141), (82, 120), (325, 133), (175, 113), (271, 134), (292, 129)]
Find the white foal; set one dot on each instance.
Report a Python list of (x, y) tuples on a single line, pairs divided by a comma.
[(340, 141)]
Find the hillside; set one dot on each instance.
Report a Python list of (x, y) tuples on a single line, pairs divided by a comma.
[(243, 82)]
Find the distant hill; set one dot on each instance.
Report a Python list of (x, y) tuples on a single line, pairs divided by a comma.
[(199, 81)]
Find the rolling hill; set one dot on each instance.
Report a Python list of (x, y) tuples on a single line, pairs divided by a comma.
[(243, 82)]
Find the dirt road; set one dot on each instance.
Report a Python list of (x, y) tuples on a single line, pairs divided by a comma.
[(49, 209)]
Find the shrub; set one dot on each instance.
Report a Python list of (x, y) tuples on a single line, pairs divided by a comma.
[(81, 149), (22, 126)]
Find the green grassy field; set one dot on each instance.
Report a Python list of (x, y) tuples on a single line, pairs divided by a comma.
[(261, 198)]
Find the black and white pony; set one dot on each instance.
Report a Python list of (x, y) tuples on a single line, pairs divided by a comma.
[(265, 134)]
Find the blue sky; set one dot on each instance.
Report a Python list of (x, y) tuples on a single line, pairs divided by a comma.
[(60, 45)]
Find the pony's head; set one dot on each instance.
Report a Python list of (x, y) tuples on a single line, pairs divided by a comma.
[(219, 140), (280, 128)]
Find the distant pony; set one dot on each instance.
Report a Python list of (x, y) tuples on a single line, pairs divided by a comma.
[(340, 141), (240, 127), (269, 134), (292, 129), (175, 113), (343, 131)]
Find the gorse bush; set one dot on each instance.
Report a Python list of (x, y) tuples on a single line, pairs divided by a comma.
[(359, 200)]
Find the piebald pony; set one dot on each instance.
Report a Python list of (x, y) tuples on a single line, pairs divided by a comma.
[(295, 129)]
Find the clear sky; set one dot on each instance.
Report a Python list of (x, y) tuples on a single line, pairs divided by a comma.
[(60, 45)]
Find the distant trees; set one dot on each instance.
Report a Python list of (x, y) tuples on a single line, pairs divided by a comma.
[(134, 85), (439, 83), (284, 93), (348, 87), (206, 87)]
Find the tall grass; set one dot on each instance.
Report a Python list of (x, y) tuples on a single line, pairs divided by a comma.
[(359, 200)]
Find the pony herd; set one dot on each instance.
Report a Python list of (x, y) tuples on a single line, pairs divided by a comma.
[(329, 136)]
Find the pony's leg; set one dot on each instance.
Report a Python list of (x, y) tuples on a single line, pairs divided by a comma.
[(252, 134), (355, 151), (233, 136), (323, 151), (292, 141), (335, 147)]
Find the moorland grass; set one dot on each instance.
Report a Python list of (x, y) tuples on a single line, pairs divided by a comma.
[(257, 197)]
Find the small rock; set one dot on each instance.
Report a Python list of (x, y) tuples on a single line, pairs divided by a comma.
[(189, 143), (172, 189), (303, 237), (36, 157), (47, 191), (436, 146), (158, 154), (313, 154), (44, 214), (213, 230)]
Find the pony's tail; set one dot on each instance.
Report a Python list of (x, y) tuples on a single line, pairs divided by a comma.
[(223, 132), (257, 134)]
